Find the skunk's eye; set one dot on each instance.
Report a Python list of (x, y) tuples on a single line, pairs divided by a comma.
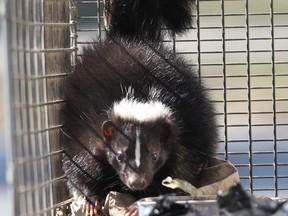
[(154, 157), (108, 129), (120, 157)]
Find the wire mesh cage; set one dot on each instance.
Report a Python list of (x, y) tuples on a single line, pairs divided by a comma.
[(38, 51), (240, 49)]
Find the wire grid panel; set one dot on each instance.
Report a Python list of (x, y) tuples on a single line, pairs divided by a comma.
[(39, 52), (242, 56), (240, 49)]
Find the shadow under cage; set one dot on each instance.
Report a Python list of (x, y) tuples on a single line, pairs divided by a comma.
[(240, 49)]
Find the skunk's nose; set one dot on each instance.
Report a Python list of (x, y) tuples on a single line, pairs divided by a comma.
[(137, 183)]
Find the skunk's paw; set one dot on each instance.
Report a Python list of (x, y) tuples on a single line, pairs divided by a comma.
[(88, 206)]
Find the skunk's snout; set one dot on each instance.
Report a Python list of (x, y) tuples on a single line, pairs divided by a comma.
[(136, 182)]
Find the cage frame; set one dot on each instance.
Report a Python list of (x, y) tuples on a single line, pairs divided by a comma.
[(72, 22)]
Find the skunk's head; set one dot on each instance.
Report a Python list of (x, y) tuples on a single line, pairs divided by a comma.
[(139, 138)]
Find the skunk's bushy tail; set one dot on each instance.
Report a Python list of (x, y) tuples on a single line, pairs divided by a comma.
[(144, 19)]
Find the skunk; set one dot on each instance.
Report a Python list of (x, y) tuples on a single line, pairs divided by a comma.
[(134, 114)]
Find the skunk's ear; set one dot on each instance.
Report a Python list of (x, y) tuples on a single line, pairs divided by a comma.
[(165, 132), (108, 130)]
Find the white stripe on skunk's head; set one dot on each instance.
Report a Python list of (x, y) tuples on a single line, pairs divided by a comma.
[(129, 108)]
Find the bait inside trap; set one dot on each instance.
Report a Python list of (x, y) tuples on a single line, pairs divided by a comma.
[(239, 49)]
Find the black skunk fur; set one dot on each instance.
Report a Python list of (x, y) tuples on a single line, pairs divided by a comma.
[(100, 78), (143, 19)]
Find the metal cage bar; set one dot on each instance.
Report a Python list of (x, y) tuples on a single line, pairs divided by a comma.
[(224, 77), (249, 96)]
